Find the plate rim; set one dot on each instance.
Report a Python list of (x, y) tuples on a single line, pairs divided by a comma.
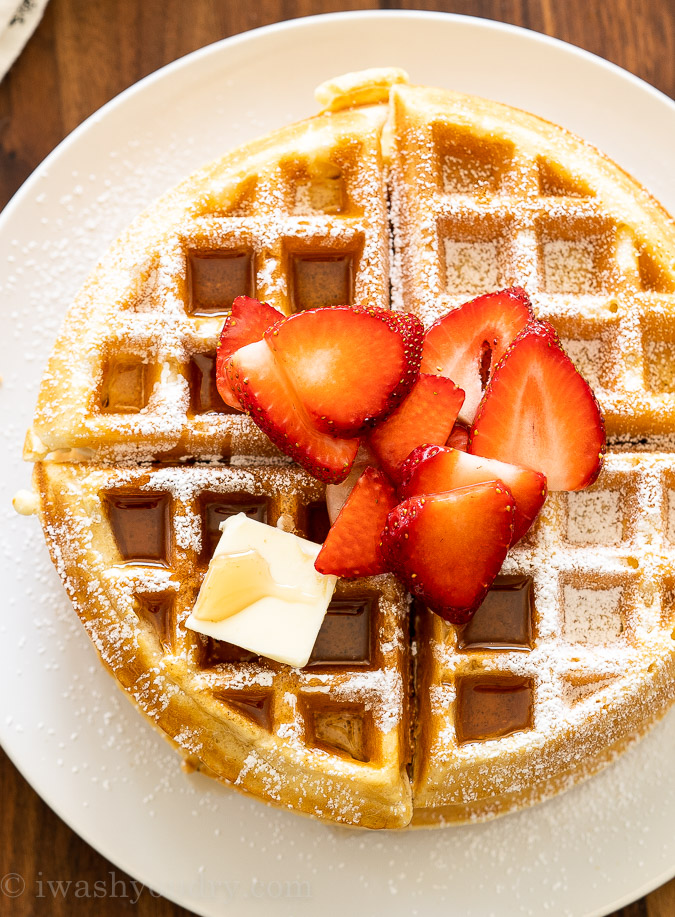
[(215, 47)]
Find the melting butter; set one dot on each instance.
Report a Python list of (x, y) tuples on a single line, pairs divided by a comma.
[(235, 581), (262, 592)]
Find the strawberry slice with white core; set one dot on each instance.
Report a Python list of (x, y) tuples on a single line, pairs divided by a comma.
[(426, 416), (434, 469), (467, 343), (337, 494), (539, 412), (348, 365), (351, 547), (447, 548), (247, 322), (264, 391)]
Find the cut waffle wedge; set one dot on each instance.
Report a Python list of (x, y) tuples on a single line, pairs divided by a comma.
[(485, 197), (297, 219), (132, 544), (572, 655)]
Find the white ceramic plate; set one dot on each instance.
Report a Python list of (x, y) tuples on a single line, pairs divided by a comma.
[(64, 723)]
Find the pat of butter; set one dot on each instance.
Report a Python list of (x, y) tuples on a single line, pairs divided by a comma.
[(261, 592)]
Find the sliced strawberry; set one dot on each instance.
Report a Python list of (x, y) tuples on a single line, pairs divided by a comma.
[(348, 365), (264, 391), (246, 323), (468, 342), (447, 548), (540, 413), (426, 416), (434, 469), (352, 545), (459, 438)]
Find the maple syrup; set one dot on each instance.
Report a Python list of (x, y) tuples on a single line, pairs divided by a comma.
[(492, 706), (257, 706), (238, 580), (140, 525), (156, 609), (318, 522), (504, 620), (215, 279), (318, 281), (125, 387), (216, 652), (215, 509), (204, 396), (345, 635)]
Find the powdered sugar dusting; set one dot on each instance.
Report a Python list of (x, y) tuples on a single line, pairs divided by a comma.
[(570, 266), (592, 615), (470, 267), (594, 517), (587, 357)]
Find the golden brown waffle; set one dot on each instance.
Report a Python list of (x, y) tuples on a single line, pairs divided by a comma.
[(298, 218), (485, 196), (571, 657), (573, 654), (132, 544)]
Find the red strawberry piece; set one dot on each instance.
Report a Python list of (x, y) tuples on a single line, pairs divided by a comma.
[(434, 469), (459, 438), (352, 545), (348, 365), (246, 323), (468, 342), (426, 416), (447, 548), (540, 413), (265, 392)]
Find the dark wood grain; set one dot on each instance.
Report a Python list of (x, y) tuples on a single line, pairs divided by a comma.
[(84, 53)]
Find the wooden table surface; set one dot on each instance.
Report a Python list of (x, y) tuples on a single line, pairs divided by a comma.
[(87, 51)]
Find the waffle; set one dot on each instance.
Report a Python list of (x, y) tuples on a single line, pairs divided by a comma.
[(298, 219), (485, 197), (132, 544), (571, 657)]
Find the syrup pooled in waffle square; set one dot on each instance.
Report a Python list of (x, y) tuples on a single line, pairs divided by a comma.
[(133, 544), (298, 219)]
